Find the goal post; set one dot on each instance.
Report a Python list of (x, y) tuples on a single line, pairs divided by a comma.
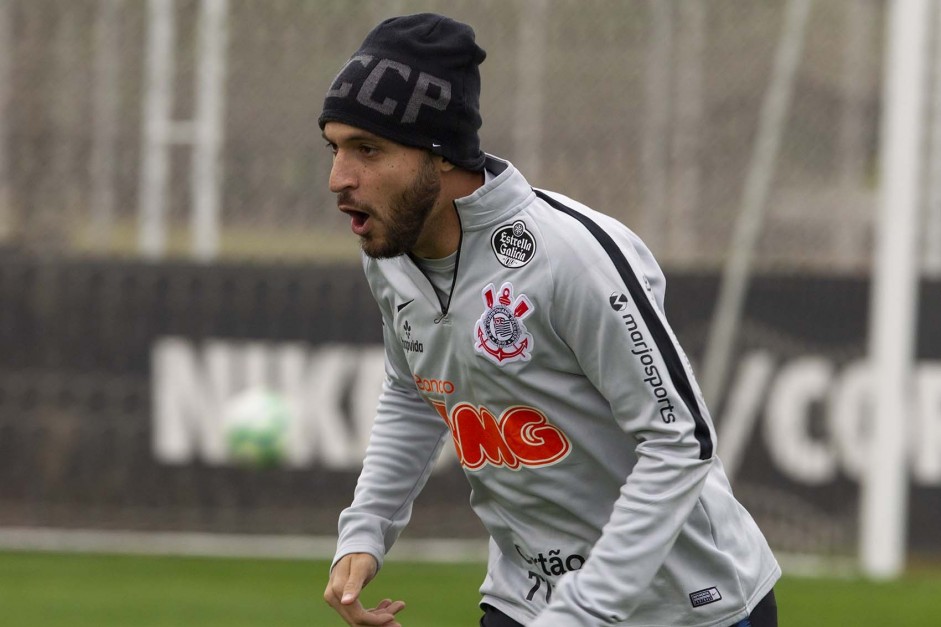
[(884, 486), (204, 133)]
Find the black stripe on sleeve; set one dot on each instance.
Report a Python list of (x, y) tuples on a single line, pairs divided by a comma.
[(659, 332)]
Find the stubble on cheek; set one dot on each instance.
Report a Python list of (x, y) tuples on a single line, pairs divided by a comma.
[(397, 231)]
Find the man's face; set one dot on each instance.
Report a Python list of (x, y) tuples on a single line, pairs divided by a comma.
[(387, 189)]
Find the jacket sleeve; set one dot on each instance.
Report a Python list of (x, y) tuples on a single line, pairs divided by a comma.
[(608, 308), (404, 443)]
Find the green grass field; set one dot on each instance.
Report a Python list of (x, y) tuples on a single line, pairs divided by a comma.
[(70, 590)]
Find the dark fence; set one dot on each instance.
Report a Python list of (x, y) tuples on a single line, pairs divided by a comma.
[(84, 345)]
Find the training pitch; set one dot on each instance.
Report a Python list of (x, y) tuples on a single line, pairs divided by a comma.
[(78, 590)]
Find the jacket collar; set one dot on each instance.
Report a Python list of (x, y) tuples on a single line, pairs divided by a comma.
[(495, 201)]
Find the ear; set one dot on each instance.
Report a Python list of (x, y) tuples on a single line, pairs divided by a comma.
[(443, 164)]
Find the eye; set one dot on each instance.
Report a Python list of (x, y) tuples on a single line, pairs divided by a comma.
[(332, 147), (368, 150)]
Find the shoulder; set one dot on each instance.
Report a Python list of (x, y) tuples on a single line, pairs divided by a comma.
[(580, 239), (576, 231)]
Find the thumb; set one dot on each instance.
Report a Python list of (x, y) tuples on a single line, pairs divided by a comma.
[(359, 573), (351, 591)]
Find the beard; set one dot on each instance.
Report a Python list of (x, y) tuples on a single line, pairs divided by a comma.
[(408, 212)]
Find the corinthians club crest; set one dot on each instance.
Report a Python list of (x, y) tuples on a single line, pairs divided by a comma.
[(501, 335)]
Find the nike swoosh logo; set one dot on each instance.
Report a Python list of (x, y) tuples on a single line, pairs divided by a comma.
[(404, 305)]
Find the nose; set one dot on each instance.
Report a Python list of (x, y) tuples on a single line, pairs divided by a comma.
[(342, 174)]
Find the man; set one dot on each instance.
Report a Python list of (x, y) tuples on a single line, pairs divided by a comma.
[(529, 331)]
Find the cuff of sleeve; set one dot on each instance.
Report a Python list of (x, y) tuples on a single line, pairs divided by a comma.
[(371, 549), (567, 608)]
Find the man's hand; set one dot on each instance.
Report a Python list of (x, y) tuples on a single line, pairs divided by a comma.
[(347, 579)]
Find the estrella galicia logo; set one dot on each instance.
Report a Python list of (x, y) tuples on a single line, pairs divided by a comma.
[(410, 345), (618, 301), (513, 244)]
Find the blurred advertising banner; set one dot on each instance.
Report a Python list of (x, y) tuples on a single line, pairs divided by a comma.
[(238, 398)]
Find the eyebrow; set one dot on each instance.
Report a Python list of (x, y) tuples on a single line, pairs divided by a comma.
[(360, 137)]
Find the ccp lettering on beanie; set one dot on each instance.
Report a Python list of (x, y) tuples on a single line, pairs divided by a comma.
[(415, 80)]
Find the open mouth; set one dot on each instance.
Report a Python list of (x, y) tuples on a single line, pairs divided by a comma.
[(358, 221)]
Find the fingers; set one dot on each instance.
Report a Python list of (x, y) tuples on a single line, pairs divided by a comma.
[(347, 580), (383, 615), (390, 606), (387, 608)]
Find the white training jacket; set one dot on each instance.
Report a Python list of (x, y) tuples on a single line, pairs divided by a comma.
[(575, 416)]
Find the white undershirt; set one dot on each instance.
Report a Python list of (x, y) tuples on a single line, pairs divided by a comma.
[(441, 274)]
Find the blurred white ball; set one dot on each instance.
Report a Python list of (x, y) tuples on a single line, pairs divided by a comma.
[(256, 423)]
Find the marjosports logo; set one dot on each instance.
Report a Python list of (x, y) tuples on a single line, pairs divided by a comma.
[(501, 335), (513, 245), (618, 301), (521, 437)]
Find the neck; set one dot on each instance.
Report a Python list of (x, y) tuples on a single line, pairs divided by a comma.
[(442, 232)]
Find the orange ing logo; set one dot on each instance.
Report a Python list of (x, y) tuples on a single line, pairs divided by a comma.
[(521, 437)]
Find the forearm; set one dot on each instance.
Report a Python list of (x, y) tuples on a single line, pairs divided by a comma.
[(654, 504), (403, 446)]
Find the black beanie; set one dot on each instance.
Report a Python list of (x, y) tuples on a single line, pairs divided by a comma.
[(415, 80)]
